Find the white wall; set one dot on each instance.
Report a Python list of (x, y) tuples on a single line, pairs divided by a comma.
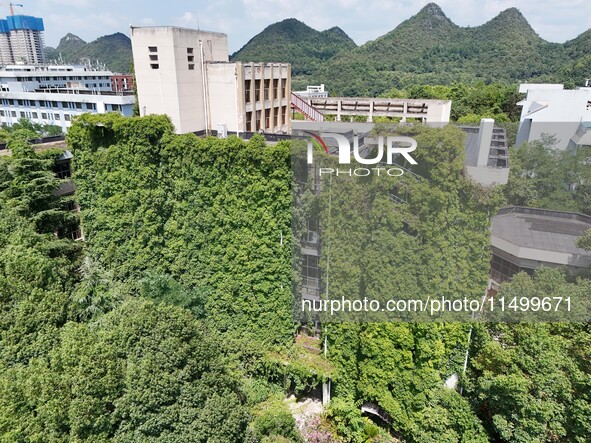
[(173, 88)]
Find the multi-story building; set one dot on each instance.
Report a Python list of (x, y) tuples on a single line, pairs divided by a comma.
[(21, 40), (121, 82), (185, 74), (562, 113), (47, 94)]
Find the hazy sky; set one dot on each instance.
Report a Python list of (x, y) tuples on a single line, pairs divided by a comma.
[(362, 20)]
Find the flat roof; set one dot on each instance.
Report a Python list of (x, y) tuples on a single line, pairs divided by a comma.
[(541, 229)]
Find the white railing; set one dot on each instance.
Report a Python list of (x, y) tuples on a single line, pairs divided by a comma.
[(309, 111)]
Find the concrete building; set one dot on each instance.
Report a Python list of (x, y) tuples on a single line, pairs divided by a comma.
[(313, 91), (524, 239), (48, 94), (422, 110), (21, 40), (487, 153), (121, 82), (551, 109), (185, 74)]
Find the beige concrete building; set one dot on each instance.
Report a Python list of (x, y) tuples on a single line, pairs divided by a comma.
[(185, 74)]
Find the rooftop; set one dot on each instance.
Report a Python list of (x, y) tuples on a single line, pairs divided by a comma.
[(541, 229)]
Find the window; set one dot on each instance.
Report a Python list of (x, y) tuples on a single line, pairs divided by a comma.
[(152, 48), (13, 113), (62, 169), (247, 91), (191, 58), (90, 106), (2, 112), (34, 115), (248, 120), (67, 117), (54, 104), (275, 88), (191, 67), (267, 121), (20, 102), (154, 57), (78, 105), (57, 116), (154, 66), (23, 114), (44, 115), (257, 90), (266, 86), (189, 50)]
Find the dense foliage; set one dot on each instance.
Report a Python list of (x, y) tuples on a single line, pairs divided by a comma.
[(172, 322), (545, 177)]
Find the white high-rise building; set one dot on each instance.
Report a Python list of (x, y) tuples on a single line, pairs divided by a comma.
[(185, 74), (21, 40)]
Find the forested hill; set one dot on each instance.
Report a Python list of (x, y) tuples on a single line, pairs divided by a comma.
[(428, 48), (294, 42), (113, 50)]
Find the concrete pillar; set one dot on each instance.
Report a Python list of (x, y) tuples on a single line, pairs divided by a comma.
[(370, 117), (485, 133), (326, 393), (339, 111)]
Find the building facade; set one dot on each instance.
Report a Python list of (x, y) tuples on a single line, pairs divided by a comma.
[(562, 113), (185, 74), (121, 82), (21, 40), (47, 94)]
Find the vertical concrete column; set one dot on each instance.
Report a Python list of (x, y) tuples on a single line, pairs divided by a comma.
[(338, 110), (370, 117), (272, 97), (263, 125), (280, 98), (253, 113), (288, 95), (326, 392), (404, 111)]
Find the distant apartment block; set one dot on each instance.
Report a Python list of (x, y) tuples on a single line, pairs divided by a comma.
[(551, 109), (21, 40), (313, 91), (524, 239), (48, 94), (185, 74), (121, 82), (487, 153)]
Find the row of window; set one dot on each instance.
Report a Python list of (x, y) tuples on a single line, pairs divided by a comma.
[(154, 63), (34, 115), (69, 78), (49, 104), (46, 115), (278, 84), (269, 123)]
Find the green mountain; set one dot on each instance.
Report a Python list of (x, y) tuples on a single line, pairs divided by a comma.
[(429, 48), (292, 41), (113, 50)]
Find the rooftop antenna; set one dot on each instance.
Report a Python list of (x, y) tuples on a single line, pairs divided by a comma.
[(12, 7)]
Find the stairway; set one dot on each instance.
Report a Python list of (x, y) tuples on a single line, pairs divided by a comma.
[(309, 112)]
